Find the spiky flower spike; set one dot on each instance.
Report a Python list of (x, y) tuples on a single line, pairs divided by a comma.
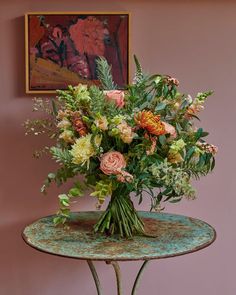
[(139, 72)]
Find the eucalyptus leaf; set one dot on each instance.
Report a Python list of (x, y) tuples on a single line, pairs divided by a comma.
[(160, 106)]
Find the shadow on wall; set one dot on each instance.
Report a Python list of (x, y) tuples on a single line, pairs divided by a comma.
[(18, 51)]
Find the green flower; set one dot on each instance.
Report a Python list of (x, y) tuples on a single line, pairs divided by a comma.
[(81, 94), (117, 120), (177, 146)]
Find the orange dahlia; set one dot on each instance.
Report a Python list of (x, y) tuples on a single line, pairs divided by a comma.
[(152, 123)]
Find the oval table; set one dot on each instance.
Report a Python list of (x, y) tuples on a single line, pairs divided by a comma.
[(168, 235)]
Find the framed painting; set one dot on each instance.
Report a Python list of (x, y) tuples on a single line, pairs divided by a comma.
[(62, 48)]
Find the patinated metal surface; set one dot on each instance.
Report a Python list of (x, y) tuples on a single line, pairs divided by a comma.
[(175, 235)]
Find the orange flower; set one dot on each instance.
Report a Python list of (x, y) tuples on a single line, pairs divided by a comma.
[(79, 125), (152, 123)]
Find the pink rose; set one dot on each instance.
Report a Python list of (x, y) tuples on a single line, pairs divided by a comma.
[(170, 130), (118, 96), (112, 163)]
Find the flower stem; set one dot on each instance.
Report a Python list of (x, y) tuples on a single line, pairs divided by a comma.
[(120, 217)]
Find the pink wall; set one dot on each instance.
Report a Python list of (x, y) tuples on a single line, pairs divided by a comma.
[(192, 40)]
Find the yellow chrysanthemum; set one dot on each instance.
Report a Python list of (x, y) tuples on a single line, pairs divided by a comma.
[(83, 149)]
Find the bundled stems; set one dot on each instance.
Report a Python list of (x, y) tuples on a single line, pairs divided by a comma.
[(120, 217)]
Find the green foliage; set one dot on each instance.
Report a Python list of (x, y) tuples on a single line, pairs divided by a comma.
[(60, 155), (103, 189), (99, 105), (202, 167), (65, 201), (67, 97), (60, 176), (75, 97), (98, 102), (104, 74)]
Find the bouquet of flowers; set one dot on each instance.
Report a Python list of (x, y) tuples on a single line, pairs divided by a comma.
[(140, 140)]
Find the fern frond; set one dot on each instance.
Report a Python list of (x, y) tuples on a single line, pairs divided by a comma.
[(98, 101), (61, 156), (196, 171), (104, 74)]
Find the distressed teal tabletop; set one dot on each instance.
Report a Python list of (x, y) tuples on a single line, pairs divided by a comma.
[(175, 235)]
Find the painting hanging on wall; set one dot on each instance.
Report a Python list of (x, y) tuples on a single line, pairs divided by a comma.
[(61, 49)]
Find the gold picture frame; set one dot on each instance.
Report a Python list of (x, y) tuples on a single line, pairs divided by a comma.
[(61, 48)]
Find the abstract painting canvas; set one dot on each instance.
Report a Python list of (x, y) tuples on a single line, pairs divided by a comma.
[(62, 48)]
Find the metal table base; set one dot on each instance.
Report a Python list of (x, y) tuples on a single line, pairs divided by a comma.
[(172, 235)]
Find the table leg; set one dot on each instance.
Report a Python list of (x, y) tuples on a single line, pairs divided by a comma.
[(118, 275), (95, 277), (136, 282)]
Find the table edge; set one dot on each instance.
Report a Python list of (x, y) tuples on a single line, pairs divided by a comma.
[(203, 246)]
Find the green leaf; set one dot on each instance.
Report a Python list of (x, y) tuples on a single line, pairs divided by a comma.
[(59, 220), (189, 153), (198, 134), (167, 192), (64, 200), (75, 192), (159, 197), (159, 89), (202, 160), (140, 198), (194, 116), (160, 106), (178, 127), (176, 200), (204, 134), (91, 179), (144, 105), (173, 92), (51, 175), (165, 90), (168, 198), (162, 139), (213, 163)]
